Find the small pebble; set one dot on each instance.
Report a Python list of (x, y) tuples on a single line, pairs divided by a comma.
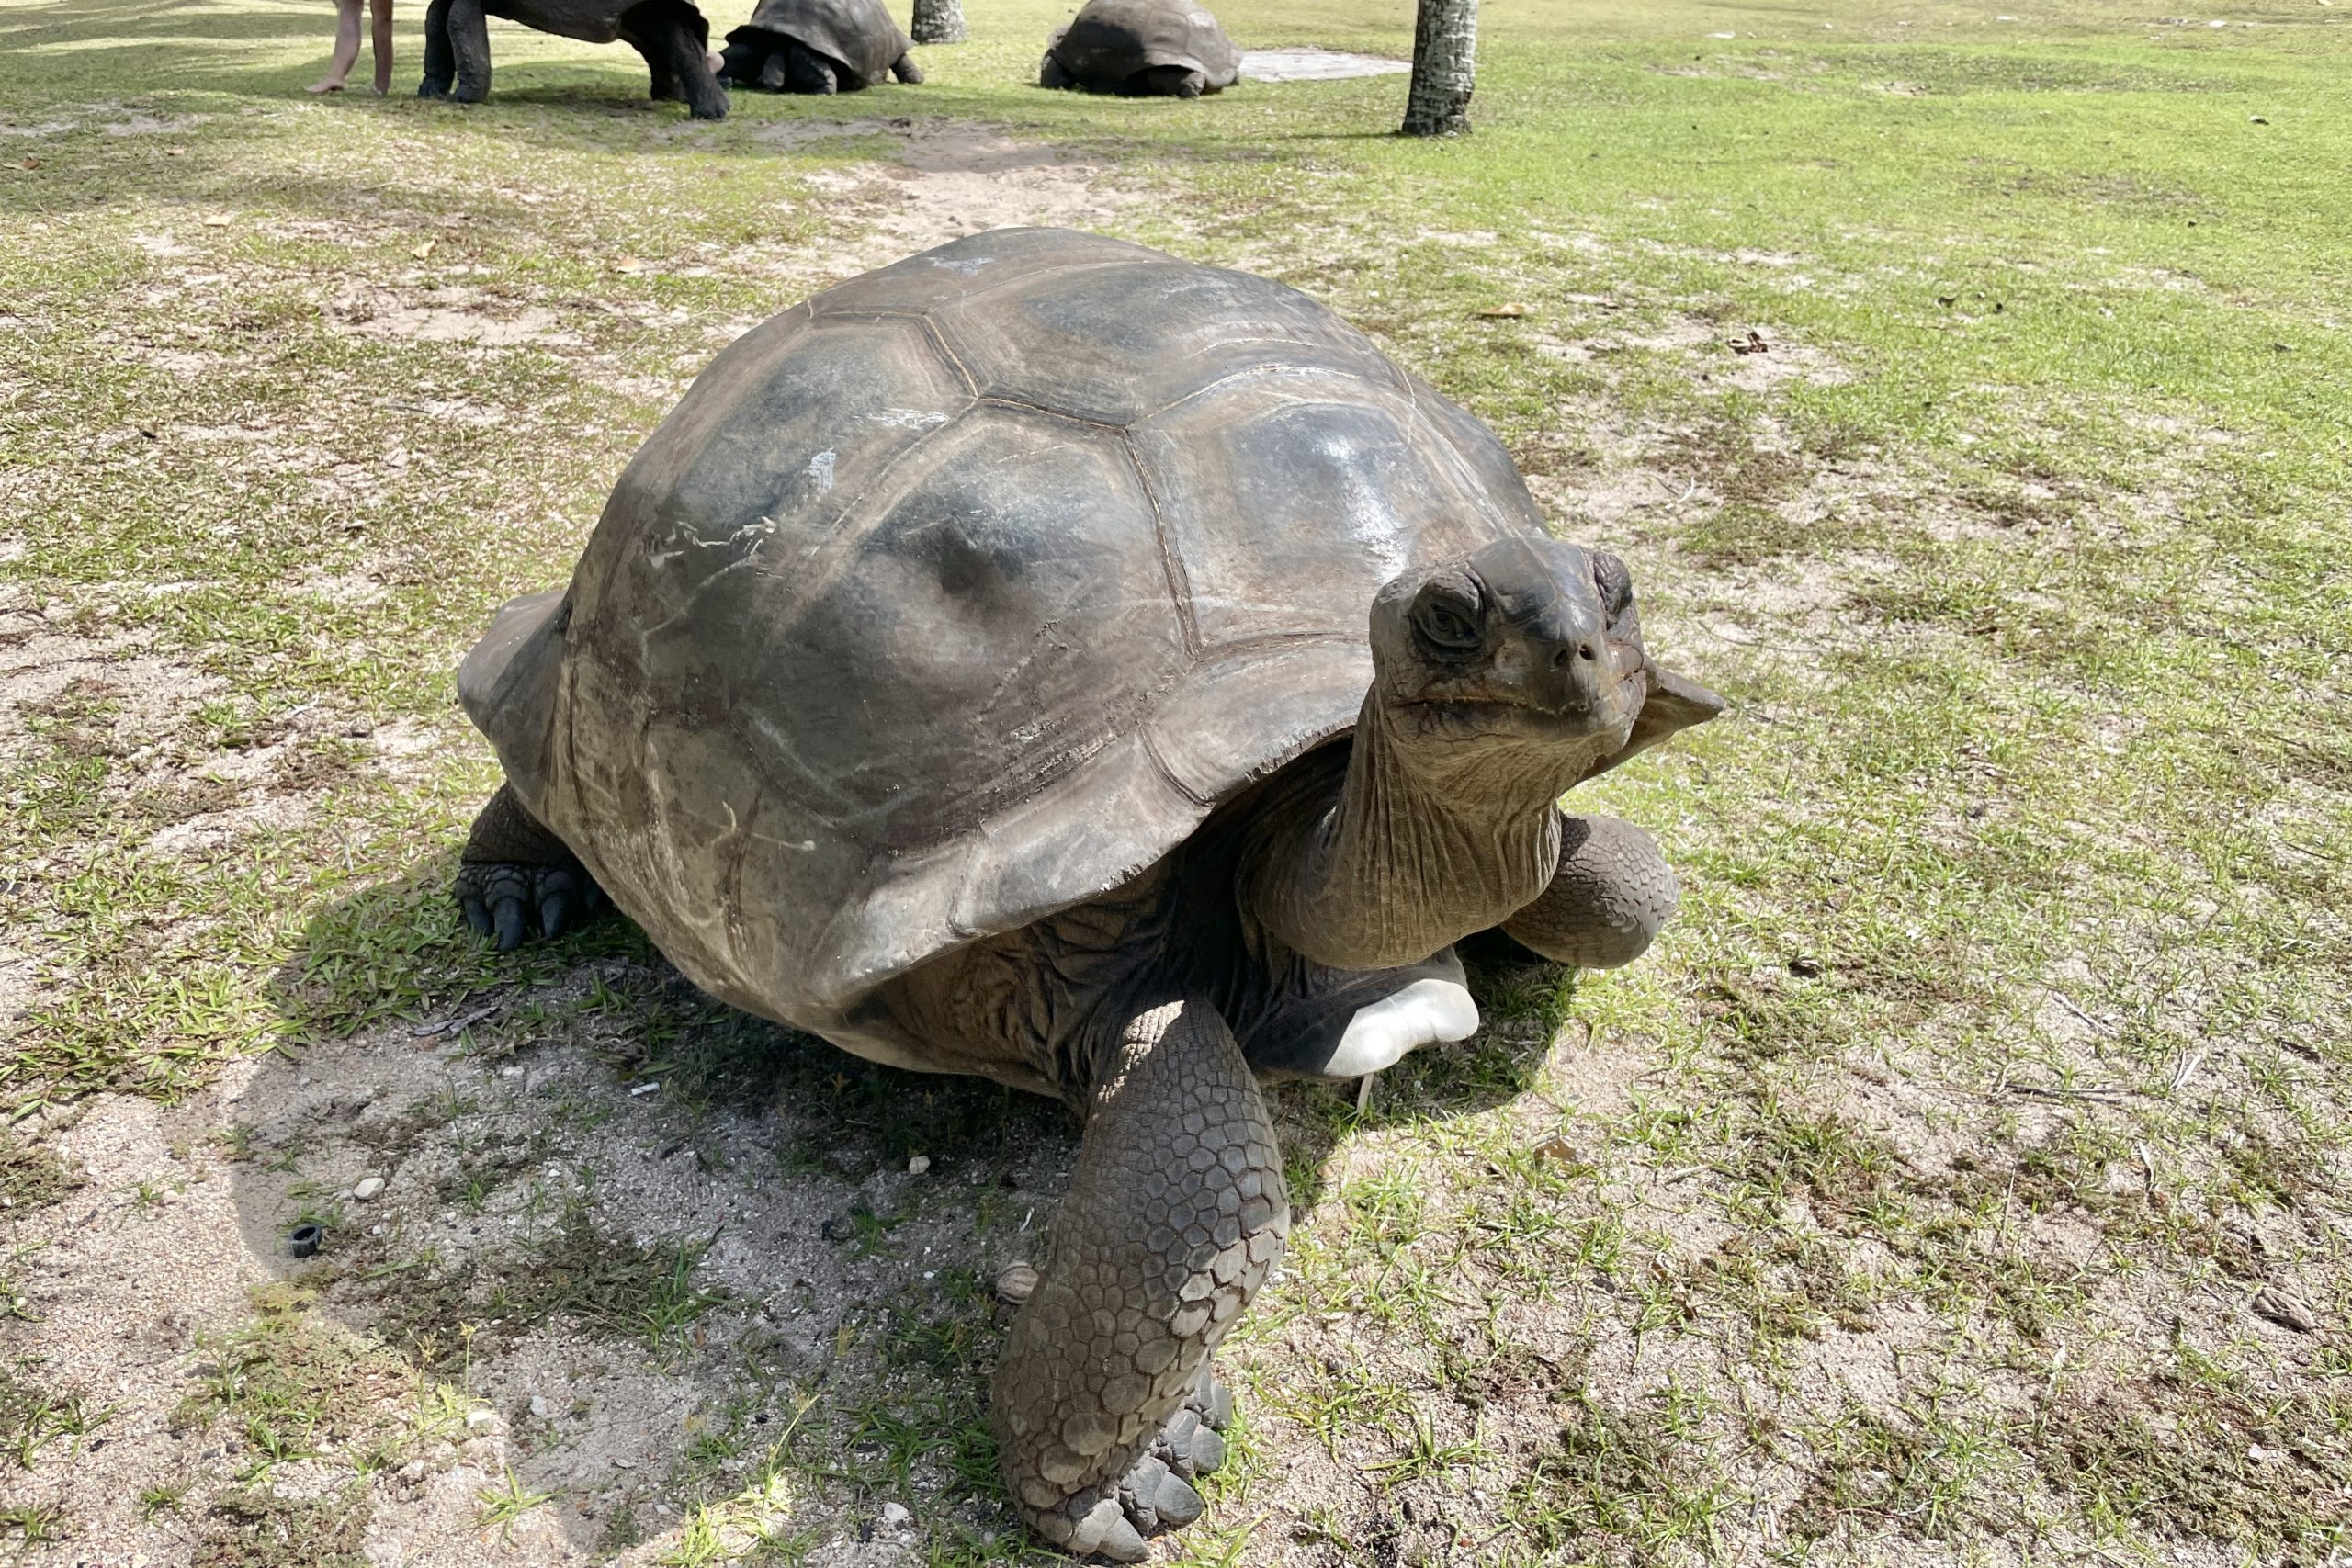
[(895, 1514), (368, 1187), (482, 1419), (539, 1406), (918, 1165), (645, 1089)]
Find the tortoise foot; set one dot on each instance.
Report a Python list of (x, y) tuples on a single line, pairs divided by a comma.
[(506, 901), (1156, 1495)]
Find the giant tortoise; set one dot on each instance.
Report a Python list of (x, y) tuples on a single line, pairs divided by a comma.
[(672, 36), (1142, 49), (818, 46), (1045, 658)]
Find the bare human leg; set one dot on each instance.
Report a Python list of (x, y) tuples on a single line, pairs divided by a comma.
[(346, 49)]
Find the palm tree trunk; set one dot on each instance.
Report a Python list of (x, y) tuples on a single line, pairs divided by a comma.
[(938, 21), (1445, 68)]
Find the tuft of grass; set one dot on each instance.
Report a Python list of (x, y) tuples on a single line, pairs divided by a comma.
[(32, 1419), (506, 1501)]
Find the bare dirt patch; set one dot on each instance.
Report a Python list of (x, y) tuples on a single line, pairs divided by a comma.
[(1315, 65), (948, 179), (454, 314)]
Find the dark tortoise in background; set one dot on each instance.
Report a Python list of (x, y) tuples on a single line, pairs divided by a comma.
[(1045, 658), (818, 46), (672, 36), (1142, 48)]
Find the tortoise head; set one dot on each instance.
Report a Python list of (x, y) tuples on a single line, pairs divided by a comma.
[(1525, 655)]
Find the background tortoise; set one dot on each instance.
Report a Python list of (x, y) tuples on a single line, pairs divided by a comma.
[(672, 36), (818, 46), (1045, 658), (1141, 46)]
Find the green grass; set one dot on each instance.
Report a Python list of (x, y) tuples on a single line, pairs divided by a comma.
[(1916, 1188)]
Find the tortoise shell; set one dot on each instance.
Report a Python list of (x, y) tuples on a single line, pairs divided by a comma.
[(1109, 40), (859, 33), (590, 21), (961, 593)]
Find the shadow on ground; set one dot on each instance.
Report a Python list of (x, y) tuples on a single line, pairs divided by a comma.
[(673, 1251)]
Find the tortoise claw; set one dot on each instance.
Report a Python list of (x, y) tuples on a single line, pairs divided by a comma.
[(510, 903), (507, 916)]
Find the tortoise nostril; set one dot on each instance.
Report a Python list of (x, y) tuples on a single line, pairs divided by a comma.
[(1584, 651), (1559, 659)]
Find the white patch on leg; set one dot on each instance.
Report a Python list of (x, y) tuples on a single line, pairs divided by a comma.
[(1427, 1012)]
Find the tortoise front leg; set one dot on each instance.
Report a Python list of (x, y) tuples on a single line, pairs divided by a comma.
[(1104, 1404), (440, 60), (515, 875), (468, 32), (1613, 893)]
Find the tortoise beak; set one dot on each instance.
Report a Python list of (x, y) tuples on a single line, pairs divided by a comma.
[(1552, 648)]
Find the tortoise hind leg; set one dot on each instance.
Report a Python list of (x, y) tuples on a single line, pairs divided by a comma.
[(513, 868), (1607, 901), (1103, 1403), (905, 69)]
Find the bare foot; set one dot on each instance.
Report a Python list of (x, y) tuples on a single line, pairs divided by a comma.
[(332, 85)]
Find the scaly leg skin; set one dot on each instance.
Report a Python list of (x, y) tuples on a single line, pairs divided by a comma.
[(905, 69), (1609, 899), (469, 42), (513, 869), (1051, 73), (1104, 1405), (440, 59)]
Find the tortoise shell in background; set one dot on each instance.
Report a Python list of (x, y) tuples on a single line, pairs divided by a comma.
[(860, 34), (1109, 41)]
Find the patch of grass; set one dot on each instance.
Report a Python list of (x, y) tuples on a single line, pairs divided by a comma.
[(30, 1175), (32, 1419), (1917, 1471), (256, 1527), (1617, 1480), (291, 1383), (2197, 1461), (609, 1285)]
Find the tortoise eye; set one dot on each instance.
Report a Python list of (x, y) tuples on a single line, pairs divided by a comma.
[(1449, 627)]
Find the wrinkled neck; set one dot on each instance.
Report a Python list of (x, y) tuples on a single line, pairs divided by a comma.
[(1421, 848)]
